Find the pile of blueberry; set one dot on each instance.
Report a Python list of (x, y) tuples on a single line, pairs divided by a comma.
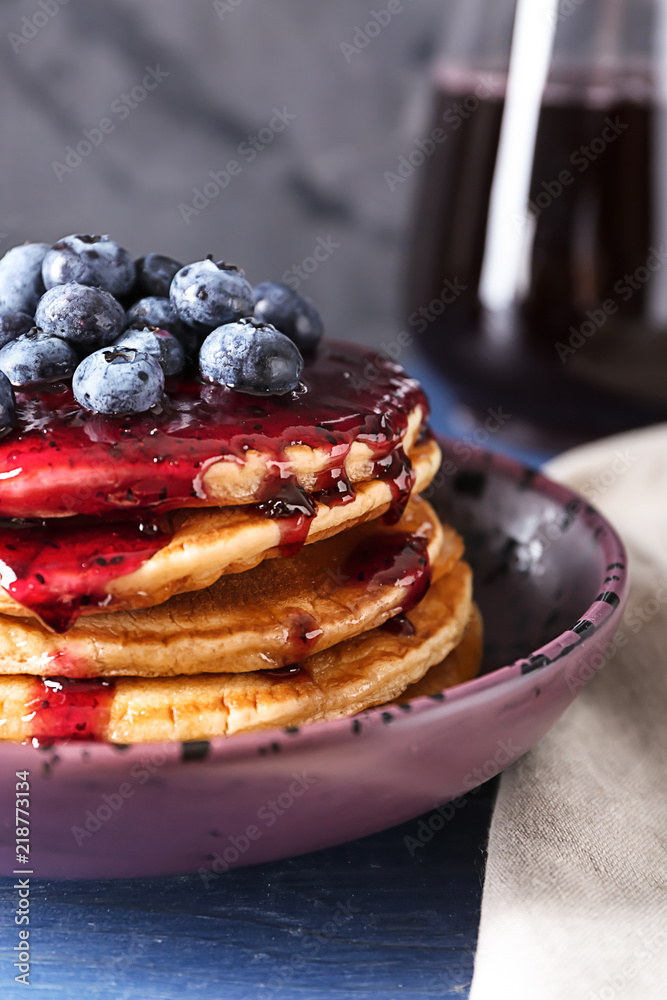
[(83, 308)]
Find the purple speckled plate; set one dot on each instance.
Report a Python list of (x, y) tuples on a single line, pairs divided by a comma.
[(550, 578)]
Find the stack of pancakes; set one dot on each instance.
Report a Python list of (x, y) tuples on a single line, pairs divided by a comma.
[(231, 625)]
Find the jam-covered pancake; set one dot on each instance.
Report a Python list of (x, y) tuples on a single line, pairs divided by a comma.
[(276, 614), (367, 670), (352, 418), (61, 568)]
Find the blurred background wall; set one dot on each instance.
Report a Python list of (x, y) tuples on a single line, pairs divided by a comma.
[(86, 147)]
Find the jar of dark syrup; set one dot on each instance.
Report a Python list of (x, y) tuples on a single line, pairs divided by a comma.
[(537, 276)]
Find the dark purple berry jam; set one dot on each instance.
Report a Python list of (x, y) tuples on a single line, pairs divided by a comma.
[(81, 493)]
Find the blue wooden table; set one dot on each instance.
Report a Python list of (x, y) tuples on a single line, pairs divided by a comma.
[(378, 918)]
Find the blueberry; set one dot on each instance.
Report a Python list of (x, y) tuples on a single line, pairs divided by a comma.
[(155, 273), (89, 260), (158, 311), (293, 314), (21, 278), (206, 295), (87, 317), (7, 405), (251, 357), (154, 310), (160, 344), (37, 357), (12, 325), (118, 380)]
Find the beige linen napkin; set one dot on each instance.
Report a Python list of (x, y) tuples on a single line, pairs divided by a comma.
[(575, 896)]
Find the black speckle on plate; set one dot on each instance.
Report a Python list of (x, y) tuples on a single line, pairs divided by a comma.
[(609, 597), (195, 750), (535, 662), (582, 626)]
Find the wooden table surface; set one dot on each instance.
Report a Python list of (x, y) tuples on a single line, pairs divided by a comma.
[(378, 918)]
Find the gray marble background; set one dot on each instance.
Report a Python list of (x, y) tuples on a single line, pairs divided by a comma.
[(229, 65)]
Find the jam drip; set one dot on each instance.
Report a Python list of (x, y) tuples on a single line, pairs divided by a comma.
[(396, 470), (338, 490), (69, 709), (399, 625), (55, 568), (63, 460), (399, 559), (303, 633), (294, 509)]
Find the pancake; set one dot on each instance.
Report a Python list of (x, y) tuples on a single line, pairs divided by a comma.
[(206, 544), (462, 664), (275, 614), (368, 670), (209, 445)]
